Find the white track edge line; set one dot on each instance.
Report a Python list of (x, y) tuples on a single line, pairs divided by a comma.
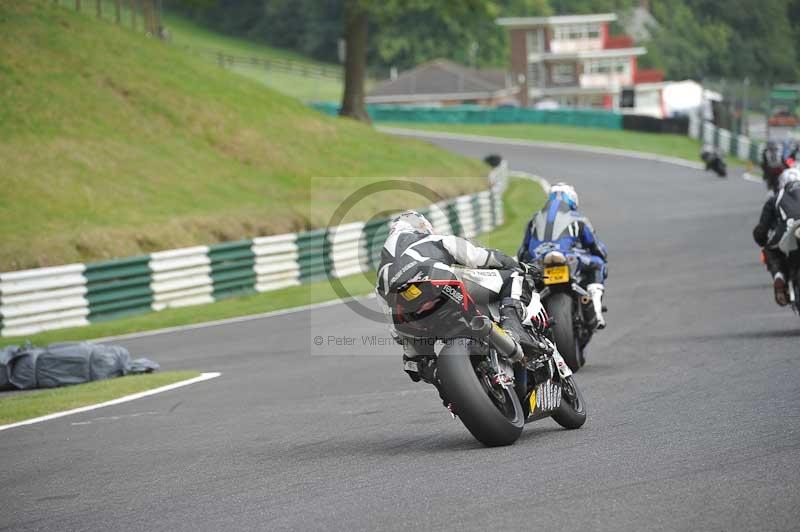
[(747, 176), (132, 397)]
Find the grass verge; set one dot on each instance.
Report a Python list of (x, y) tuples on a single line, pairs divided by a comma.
[(114, 144), (30, 404), (304, 87), (202, 41), (521, 199), (670, 145)]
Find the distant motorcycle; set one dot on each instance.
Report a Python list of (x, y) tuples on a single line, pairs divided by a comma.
[(481, 373), (790, 246), (714, 161)]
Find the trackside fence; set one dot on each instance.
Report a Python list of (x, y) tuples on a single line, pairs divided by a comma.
[(310, 70), (74, 295)]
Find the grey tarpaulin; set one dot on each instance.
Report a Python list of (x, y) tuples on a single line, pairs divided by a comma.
[(26, 367)]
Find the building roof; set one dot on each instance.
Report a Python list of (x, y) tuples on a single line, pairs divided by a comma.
[(443, 79), (591, 54), (528, 22)]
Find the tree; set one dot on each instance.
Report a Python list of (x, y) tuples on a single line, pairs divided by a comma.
[(572, 7), (733, 39), (759, 39), (685, 46), (453, 17), (763, 46), (356, 20), (465, 32)]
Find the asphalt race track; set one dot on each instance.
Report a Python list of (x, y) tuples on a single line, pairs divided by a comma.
[(693, 396)]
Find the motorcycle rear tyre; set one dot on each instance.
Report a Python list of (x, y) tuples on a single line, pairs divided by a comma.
[(470, 401), (559, 306)]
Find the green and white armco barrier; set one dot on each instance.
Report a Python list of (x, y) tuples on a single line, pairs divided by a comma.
[(74, 295), (730, 144)]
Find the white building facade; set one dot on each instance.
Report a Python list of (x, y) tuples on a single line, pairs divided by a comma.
[(573, 60)]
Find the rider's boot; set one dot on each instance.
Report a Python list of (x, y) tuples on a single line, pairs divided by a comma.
[(781, 294), (422, 367), (419, 361), (512, 312), (411, 367), (596, 292)]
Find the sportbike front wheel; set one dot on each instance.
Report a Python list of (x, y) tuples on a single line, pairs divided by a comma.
[(492, 413)]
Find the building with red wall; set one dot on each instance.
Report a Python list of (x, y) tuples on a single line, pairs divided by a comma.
[(573, 60)]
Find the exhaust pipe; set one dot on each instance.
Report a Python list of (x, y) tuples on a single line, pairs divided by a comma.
[(485, 329)]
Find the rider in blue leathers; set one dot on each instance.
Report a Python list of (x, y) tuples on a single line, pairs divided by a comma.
[(559, 226)]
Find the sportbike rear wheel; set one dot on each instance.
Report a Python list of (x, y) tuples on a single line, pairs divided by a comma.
[(491, 412), (571, 413), (559, 307), (796, 288)]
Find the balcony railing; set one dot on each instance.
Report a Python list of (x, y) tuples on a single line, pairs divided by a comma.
[(619, 41)]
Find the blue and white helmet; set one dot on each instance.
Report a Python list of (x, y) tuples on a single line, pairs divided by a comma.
[(410, 221), (566, 193)]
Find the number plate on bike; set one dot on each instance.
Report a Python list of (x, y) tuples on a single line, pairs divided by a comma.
[(556, 274)]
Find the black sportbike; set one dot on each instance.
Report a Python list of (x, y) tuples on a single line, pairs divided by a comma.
[(789, 245), (480, 371), (568, 304)]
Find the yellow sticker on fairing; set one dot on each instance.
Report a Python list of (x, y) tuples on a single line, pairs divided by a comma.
[(412, 292), (533, 400)]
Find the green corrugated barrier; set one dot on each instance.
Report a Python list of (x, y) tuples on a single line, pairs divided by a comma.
[(232, 268), (117, 288), (471, 114)]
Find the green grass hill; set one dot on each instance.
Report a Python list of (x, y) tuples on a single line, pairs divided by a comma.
[(114, 144)]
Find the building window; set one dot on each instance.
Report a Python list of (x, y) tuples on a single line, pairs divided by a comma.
[(576, 32), (563, 73), (534, 41), (534, 77), (606, 66)]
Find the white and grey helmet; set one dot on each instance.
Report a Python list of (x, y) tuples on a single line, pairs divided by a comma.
[(566, 193), (410, 221), (790, 175)]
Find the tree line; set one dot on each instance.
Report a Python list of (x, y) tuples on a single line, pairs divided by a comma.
[(759, 39), (753, 39)]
